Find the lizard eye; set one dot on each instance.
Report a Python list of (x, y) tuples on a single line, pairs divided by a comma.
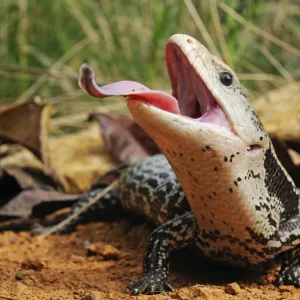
[(226, 78)]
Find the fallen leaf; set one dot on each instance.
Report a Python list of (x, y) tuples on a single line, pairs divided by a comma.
[(124, 140), (139, 134), (289, 158), (27, 125), (28, 178), (80, 158), (279, 111), (23, 204), (14, 180)]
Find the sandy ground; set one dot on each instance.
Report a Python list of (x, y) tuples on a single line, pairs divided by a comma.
[(100, 259)]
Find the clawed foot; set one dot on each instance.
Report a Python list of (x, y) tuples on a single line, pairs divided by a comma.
[(149, 284), (289, 275)]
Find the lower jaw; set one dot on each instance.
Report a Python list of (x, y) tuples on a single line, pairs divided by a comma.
[(214, 118), (214, 115), (168, 128)]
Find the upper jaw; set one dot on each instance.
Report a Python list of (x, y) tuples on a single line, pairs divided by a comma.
[(195, 99)]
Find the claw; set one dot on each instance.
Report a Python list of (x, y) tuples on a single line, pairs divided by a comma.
[(289, 276), (150, 285)]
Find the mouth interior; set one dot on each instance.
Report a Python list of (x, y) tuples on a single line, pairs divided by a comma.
[(195, 100), (191, 97)]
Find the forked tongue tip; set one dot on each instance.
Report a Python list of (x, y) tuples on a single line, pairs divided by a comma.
[(130, 89)]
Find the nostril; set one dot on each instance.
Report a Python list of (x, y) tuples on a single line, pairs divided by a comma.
[(189, 41)]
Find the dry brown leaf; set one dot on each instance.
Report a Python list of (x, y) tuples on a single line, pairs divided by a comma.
[(288, 158), (80, 158), (279, 111), (28, 178), (295, 157), (139, 134), (23, 204), (124, 140), (27, 125)]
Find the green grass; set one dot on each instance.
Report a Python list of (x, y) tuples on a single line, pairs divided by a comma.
[(124, 39)]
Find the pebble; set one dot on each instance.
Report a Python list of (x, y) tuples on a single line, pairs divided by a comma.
[(107, 251), (32, 265), (77, 259), (232, 288), (110, 252), (285, 288), (20, 276)]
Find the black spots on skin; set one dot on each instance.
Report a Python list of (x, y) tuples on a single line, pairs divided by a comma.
[(163, 175), (257, 207), (189, 172), (259, 238), (217, 232), (152, 182), (203, 243), (207, 148), (242, 93), (216, 169), (230, 158), (256, 121), (180, 154), (209, 196), (271, 220), (261, 138), (215, 193), (230, 190), (192, 159), (279, 186), (236, 181), (251, 174)]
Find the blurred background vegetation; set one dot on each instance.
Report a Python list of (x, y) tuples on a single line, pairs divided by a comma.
[(43, 43)]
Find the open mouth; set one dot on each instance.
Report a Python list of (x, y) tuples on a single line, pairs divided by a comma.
[(191, 97), (195, 100)]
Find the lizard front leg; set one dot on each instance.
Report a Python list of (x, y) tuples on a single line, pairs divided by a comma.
[(174, 234), (290, 269)]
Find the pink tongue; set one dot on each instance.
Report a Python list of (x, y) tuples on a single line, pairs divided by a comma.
[(130, 89)]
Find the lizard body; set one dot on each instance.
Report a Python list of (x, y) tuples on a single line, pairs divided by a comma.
[(219, 185)]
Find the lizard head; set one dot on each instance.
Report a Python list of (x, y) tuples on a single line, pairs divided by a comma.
[(209, 133), (207, 98)]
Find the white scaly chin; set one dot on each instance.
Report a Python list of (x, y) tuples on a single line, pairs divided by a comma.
[(197, 151)]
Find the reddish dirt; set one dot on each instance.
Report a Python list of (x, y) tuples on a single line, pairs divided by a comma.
[(61, 267)]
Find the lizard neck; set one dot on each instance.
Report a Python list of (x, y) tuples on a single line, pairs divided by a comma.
[(230, 188)]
